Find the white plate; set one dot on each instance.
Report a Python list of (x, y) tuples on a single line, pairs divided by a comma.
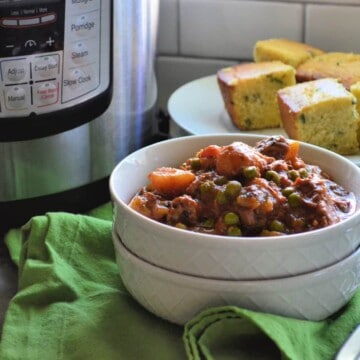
[(197, 108)]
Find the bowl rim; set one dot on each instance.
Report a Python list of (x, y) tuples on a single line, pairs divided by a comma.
[(280, 239)]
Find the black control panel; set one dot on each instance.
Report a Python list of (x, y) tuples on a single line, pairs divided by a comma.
[(55, 65), (28, 27)]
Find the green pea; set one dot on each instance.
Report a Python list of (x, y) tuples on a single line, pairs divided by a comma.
[(294, 199), (234, 231), (207, 187), (231, 218), (195, 163), (221, 180), (208, 223), (288, 190), (250, 172), (293, 174), (277, 225), (233, 188), (303, 173), (272, 175), (181, 226), (221, 198)]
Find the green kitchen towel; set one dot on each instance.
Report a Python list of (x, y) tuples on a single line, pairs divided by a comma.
[(72, 304), (230, 332)]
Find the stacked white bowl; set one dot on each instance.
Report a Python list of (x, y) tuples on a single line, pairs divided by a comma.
[(176, 273)]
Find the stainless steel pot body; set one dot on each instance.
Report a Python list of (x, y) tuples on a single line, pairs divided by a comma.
[(71, 159)]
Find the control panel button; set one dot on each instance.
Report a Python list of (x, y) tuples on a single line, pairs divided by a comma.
[(8, 22), (75, 79), (80, 53), (15, 97), (85, 24), (14, 71), (79, 82), (50, 41), (49, 18), (46, 66), (30, 44), (47, 93), (83, 5), (29, 21)]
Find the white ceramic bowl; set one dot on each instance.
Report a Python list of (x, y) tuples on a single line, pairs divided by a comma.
[(177, 297), (225, 257)]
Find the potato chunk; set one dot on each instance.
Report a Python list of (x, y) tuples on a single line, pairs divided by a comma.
[(170, 181)]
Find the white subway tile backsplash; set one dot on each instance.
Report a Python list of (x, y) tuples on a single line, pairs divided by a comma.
[(197, 37), (230, 28), (167, 42), (172, 72), (338, 2), (333, 28)]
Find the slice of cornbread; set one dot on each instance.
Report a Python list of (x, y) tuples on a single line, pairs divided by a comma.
[(287, 51), (249, 92), (321, 112), (342, 66)]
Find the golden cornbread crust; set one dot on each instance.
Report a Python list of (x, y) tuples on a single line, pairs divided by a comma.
[(355, 90), (342, 66), (287, 51), (249, 92), (321, 112)]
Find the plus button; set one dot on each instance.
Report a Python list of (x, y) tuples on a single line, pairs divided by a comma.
[(50, 41)]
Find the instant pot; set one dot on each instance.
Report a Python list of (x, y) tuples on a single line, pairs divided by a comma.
[(77, 94)]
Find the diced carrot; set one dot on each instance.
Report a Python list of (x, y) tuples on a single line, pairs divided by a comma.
[(209, 151), (170, 181), (293, 151), (292, 155)]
